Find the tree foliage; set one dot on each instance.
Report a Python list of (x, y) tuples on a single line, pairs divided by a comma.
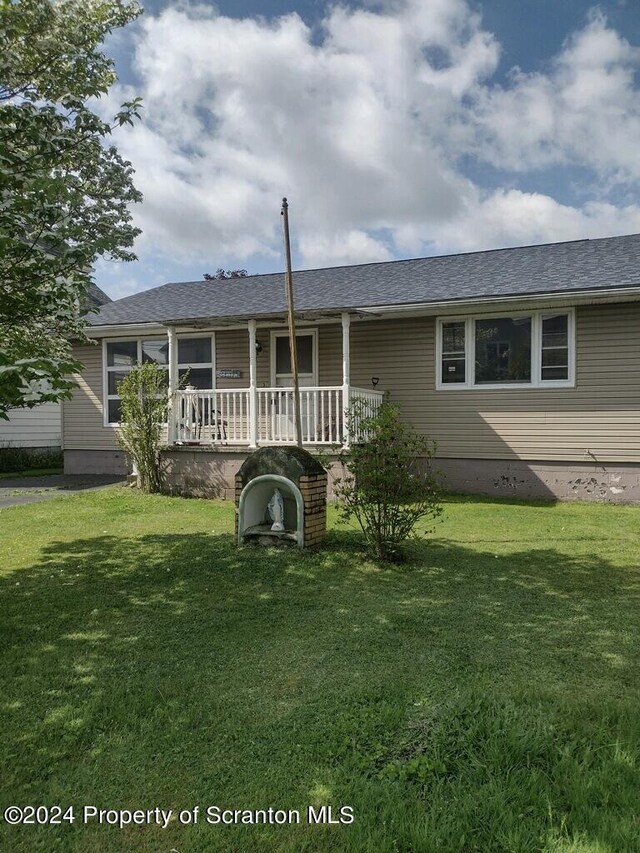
[(65, 191), (388, 487), (220, 274), (144, 407)]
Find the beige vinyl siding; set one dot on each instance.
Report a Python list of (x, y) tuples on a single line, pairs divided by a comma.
[(83, 413), (83, 429), (598, 419), (232, 352), (330, 355), (37, 427)]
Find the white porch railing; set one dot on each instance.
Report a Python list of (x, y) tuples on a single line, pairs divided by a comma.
[(225, 416), (321, 415), (211, 417)]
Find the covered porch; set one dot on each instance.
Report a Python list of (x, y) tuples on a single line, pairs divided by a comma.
[(257, 415)]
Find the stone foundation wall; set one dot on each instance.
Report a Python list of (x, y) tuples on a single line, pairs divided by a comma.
[(615, 483), (206, 472), (95, 462), (203, 472)]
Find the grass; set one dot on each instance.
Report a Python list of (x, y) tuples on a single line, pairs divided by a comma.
[(484, 697)]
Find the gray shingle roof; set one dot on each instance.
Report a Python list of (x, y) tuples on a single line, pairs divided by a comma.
[(530, 270), (97, 296)]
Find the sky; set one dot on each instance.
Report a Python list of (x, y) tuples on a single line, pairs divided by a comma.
[(396, 129)]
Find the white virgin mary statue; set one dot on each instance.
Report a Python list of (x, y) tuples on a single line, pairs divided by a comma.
[(275, 508)]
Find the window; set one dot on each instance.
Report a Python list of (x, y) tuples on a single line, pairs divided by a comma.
[(304, 346), (453, 352), (307, 346), (503, 350), (555, 347), (195, 362), (121, 357), (530, 350), (194, 355)]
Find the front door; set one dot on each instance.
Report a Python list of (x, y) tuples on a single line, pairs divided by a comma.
[(282, 377)]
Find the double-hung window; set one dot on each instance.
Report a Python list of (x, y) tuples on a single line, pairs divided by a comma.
[(196, 362), (534, 349), (453, 359)]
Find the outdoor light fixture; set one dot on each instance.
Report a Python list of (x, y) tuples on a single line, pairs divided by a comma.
[(375, 380), (259, 347)]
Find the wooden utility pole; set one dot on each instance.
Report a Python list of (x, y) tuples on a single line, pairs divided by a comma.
[(293, 345)]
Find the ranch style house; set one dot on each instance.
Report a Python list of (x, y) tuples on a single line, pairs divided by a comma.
[(522, 364)]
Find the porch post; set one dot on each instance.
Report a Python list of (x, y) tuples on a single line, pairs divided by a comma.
[(346, 371), (253, 385), (173, 384)]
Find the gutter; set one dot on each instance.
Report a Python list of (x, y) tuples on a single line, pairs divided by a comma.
[(612, 294)]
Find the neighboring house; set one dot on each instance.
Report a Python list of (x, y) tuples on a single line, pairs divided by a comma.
[(523, 364), (40, 428)]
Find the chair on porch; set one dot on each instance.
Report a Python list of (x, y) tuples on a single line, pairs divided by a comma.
[(196, 413)]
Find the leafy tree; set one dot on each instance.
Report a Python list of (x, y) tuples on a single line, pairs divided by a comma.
[(388, 488), (221, 274), (144, 407), (65, 191)]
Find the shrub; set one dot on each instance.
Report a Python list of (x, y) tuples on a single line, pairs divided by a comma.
[(143, 393), (387, 489), (25, 459)]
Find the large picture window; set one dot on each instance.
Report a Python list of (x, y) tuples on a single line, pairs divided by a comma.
[(195, 365), (503, 350), (530, 350)]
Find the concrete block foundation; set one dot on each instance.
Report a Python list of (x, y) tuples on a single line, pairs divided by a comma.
[(617, 482), (211, 472), (95, 462)]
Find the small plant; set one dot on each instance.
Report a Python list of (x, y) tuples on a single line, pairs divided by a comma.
[(20, 459), (143, 393), (388, 488)]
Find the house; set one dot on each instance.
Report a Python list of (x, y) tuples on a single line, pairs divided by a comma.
[(40, 428), (523, 364)]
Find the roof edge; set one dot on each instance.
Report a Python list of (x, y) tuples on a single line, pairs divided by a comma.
[(400, 308)]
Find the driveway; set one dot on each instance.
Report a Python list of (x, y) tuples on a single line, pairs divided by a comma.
[(27, 490)]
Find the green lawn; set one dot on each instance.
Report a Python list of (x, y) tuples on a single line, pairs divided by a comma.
[(485, 697)]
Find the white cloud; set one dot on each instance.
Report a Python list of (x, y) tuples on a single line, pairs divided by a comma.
[(363, 126), (347, 247), (585, 111), (513, 218)]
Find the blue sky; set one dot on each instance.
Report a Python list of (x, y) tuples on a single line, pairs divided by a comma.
[(399, 128)]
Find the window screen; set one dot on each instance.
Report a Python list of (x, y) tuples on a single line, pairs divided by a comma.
[(305, 354), (453, 352), (555, 348)]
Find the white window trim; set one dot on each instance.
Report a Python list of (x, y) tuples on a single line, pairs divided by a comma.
[(536, 352), (285, 334), (106, 397)]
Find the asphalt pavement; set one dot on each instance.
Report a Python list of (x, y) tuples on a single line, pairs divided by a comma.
[(27, 490)]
